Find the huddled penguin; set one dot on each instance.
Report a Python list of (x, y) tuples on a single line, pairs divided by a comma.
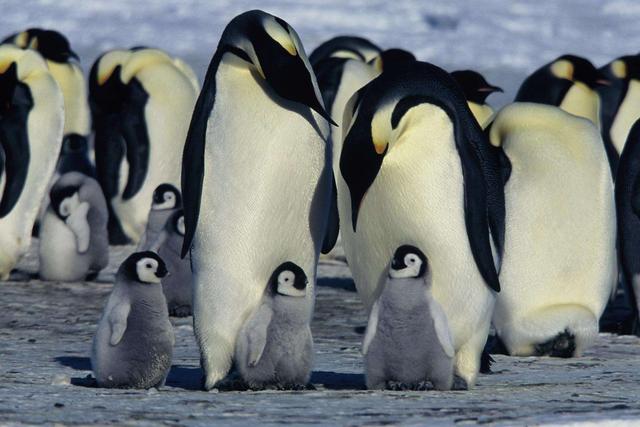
[(256, 178), (417, 169), (63, 64), (569, 82), (620, 104), (141, 101), (391, 58), (275, 347), (31, 124), (133, 345), (628, 210), (559, 266), (476, 89), (177, 286), (165, 202), (345, 47), (408, 341), (74, 244)]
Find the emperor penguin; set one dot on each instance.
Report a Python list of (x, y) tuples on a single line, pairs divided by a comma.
[(627, 191), (141, 101), (620, 104), (417, 169), (345, 47), (569, 82), (408, 339), (165, 202), (275, 345), (63, 64), (476, 89), (74, 244), (559, 266), (133, 345), (177, 286), (31, 124), (256, 178)]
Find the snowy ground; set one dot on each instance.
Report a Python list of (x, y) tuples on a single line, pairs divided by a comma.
[(46, 328), (46, 331)]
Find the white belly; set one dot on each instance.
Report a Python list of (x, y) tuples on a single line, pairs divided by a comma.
[(58, 253), (582, 101), (628, 113)]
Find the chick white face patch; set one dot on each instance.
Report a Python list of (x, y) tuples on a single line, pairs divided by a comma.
[(146, 269), (286, 281)]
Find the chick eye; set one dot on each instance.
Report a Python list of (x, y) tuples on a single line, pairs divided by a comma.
[(148, 265)]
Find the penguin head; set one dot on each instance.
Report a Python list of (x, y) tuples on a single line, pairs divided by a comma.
[(144, 267), (391, 58), (476, 89), (51, 44), (176, 222), (578, 69), (623, 68), (166, 196), (74, 143), (408, 262), (64, 200), (288, 280), (274, 50)]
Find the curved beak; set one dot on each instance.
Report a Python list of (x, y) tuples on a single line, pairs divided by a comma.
[(490, 89), (74, 55)]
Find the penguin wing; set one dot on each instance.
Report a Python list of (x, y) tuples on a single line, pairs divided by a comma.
[(109, 148), (256, 331), (372, 326), (136, 137), (441, 325), (333, 222), (79, 224), (118, 321)]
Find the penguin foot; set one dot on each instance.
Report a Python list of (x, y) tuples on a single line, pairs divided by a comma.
[(485, 362), (459, 383), (180, 311), (562, 345)]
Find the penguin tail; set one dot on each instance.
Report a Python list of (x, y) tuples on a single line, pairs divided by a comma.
[(562, 345)]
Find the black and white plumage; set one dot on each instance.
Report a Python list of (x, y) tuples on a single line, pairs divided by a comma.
[(476, 89), (345, 47), (165, 202)]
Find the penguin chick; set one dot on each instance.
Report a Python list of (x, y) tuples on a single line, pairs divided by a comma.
[(476, 90), (74, 242), (133, 346), (165, 202), (408, 339), (177, 286), (275, 346)]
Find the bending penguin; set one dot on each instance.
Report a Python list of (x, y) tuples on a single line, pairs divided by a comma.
[(63, 64), (559, 266), (141, 103), (345, 47), (31, 123), (476, 89), (166, 201), (568, 82), (74, 244), (416, 169), (256, 178), (133, 345), (408, 341), (275, 346), (620, 104)]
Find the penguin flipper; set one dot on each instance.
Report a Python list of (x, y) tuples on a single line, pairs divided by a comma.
[(333, 222), (441, 325), (118, 321), (257, 327), (136, 137), (372, 327)]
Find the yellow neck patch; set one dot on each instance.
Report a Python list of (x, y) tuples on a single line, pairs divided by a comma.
[(280, 35), (619, 69), (562, 69)]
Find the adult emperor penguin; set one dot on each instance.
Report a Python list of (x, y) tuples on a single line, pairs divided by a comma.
[(245, 200), (559, 266), (31, 123), (345, 47), (476, 89), (408, 341), (141, 103), (74, 244), (275, 345), (620, 104), (133, 345), (63, 65), (628, 211), (568, 82), (417, 169)]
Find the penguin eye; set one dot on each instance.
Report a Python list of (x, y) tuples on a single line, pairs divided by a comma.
[(148, 265)]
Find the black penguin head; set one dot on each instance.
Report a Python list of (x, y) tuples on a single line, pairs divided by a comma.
[(176, 222), (166, 196), (64, 200), (51, 44), (9, 84), (476, 89), (144, 267), (391, 58), (276, 53), (623, 68), (74, 143), (107, 91), (578, 69), (408, 262), (288, 280)]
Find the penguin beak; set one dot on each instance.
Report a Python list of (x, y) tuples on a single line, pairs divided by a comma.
[(603, 82), (490, 89), (74, 55), (162, 271)]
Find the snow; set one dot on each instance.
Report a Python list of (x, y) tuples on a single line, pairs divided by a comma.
[(46, 328)]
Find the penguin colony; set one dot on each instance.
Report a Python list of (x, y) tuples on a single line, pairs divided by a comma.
[(449, 212)]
